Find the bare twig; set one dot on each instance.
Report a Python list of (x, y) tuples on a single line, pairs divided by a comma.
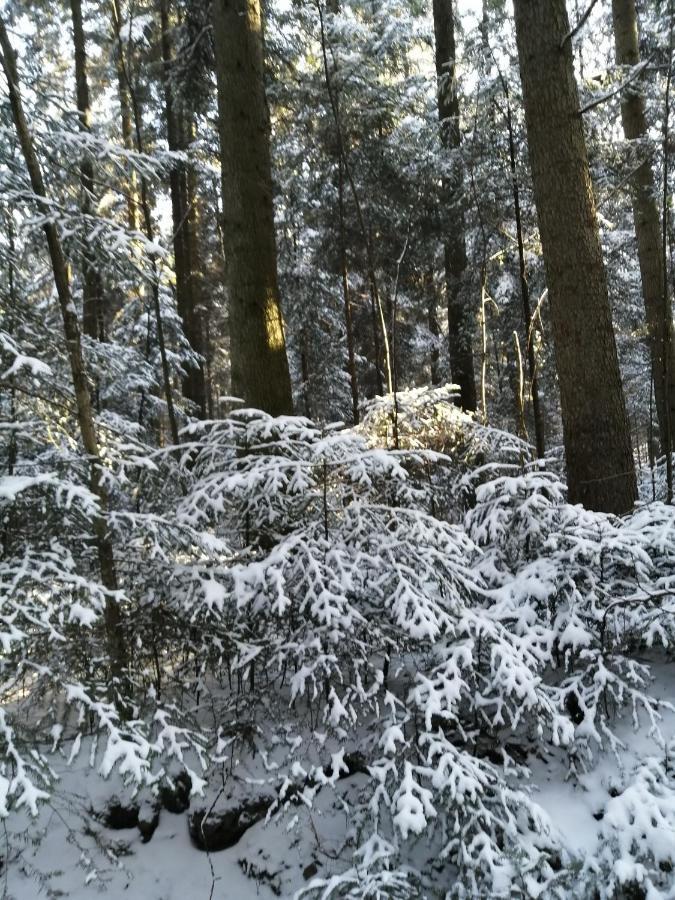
[(635, 72), (580, 24)]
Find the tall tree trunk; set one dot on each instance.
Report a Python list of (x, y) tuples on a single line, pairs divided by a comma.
[(147, 226), (346, 296), (647, 221), (537, 413), (123, 78), (459, 313), (433, 325), (334, 8), (10, 309), (196, 388), (257, 344), (184, 225), (600, 468), (92, 313), (115, 639), (382, 355)]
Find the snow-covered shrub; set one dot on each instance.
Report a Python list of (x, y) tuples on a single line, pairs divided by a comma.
[(374, 876), (457, 446), (303, 597), (54, 668), (638, 828), (572, 584), (429, 418), (369, 606)]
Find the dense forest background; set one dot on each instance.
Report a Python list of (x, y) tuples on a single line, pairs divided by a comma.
[(366, 170), (337, 417)]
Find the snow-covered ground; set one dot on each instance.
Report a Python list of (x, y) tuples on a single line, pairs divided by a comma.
[(68, 853), (577, 806)]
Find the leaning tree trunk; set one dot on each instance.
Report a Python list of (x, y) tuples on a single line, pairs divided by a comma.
[(600, 468), (184, 226), (257, 344), (71, 327), (459, 313), (647, 222)]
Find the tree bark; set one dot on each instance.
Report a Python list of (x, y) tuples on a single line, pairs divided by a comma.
[(524, 287), (334, 8), (257, 343), (459, 314), (185, 248), (196, 388), (381, 358), (349, 322), (148, 227), (647, 222), (92, 313), (123, 78), (433, 325), (71, 327), (599, 457)]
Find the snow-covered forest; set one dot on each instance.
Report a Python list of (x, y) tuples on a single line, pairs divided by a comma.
[(337, 425)]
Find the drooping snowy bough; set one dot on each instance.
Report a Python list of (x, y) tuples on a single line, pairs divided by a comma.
[(421, 623)]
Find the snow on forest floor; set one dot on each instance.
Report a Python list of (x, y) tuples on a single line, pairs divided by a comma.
[(576, 805), (67, 853)]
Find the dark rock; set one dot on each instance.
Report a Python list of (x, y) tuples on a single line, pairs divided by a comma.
[(174, 792), (261, 875), (310, 871), (573, 708), (489, 748), (223, 826), (148, 820), (118, 815), (353, 764), (293, 793), (631, 890), (356, 765)]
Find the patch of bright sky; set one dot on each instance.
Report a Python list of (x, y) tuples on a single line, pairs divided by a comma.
[(470, 12)]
